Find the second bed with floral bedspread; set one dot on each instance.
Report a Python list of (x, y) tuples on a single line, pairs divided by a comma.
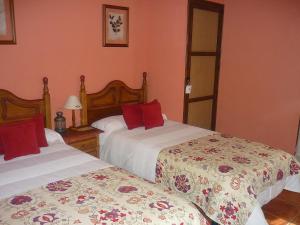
[(107, 196), (223, 175)]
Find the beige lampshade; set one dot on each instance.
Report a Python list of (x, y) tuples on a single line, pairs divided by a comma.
[(73, 103)]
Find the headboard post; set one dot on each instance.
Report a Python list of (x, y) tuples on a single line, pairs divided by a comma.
[(83, 111), (46, 97), (144, 86)]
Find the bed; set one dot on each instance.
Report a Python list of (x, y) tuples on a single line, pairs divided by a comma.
[(229, 178), (62, 185)]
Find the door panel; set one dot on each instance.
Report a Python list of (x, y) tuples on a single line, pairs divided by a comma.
[(205, 30), (203, 63), (200, 114), (202, 75)]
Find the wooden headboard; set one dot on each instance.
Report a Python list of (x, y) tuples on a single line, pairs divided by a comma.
[(13, 108), (108, 101)]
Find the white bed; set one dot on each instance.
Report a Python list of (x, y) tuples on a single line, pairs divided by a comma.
[(137, 151)]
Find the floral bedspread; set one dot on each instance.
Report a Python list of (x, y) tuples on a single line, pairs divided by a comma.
[(223, 174), (107, 196)]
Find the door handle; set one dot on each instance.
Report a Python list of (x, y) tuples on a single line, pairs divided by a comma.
[(188, 88)]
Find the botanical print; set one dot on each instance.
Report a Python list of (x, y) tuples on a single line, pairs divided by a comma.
[(107, 196), (116, 26), (222, 174), (2, 18)]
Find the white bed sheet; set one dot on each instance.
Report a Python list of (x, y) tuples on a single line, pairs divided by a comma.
[(58, 161), (137, 151)]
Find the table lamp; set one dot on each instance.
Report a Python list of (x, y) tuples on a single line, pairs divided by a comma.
[(73, 103)]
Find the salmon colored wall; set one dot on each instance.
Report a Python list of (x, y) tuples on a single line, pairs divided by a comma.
[(63, 39), (166, 54), (259, 94)]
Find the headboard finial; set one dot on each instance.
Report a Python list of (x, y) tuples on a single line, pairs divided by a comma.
[(83, 100), (47, 106), (82, 80), (45, 81), (144, 77)]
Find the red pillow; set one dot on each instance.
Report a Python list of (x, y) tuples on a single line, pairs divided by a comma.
[(40, 131), (19, 139), (133, 115), (152, 116)]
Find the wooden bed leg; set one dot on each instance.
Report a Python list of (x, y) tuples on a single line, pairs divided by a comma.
[(46, 97), (83, 111)]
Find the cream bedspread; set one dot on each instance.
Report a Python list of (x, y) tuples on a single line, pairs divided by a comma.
[(223, 175), (107, 196)]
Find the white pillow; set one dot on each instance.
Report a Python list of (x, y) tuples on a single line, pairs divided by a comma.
[(110, 124), (53, 137)]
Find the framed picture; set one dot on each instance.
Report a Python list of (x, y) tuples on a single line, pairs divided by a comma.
[(7, 22), (115, 26)]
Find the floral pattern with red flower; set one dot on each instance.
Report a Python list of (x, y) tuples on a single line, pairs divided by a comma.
[(158, 169), (198, 158), (279, 174), (114, 215), (294, 167), (161, 205), (229, 212), (59, 186), (182, 183), (127, 189), (47, 218), (99, 177), (20, 199), (225, 168)]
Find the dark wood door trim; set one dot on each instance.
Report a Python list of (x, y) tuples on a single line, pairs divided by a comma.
[(202, 98), (218, 65), (211, 6), (206, 5), (204, 53)]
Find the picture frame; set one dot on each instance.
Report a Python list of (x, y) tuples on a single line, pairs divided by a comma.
[(7, 22), (115, 26)]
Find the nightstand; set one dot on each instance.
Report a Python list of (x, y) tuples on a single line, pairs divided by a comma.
[(86, 140)]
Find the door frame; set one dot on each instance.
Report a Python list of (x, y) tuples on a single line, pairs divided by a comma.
[(215, 7)]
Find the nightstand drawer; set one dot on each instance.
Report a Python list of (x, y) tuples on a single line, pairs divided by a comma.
[(86, 140), (86, 144)]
